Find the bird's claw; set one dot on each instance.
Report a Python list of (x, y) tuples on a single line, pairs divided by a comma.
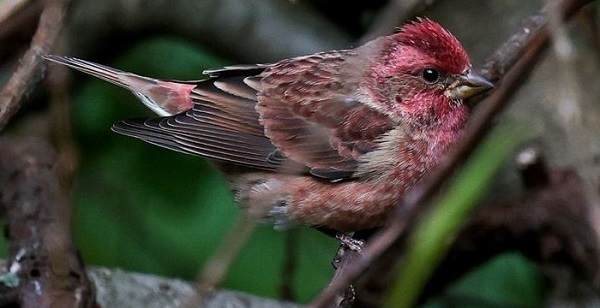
[(349, 242)]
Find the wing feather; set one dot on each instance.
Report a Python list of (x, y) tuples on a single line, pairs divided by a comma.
[(312, 112), (298, 115)]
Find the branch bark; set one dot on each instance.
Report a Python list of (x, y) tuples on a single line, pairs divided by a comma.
[(29, 71), (41, 249)]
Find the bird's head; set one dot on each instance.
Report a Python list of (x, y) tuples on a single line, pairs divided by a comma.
[(424, 76)]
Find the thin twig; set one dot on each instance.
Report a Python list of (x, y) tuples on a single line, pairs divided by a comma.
[(216, 268), (30, 69)]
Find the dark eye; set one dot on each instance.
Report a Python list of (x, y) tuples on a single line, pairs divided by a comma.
[(430, 75)]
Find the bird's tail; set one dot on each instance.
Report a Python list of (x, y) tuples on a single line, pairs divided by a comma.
[(163, 97)]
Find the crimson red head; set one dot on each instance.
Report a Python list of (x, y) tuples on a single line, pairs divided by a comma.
[(420, 44), (431, 39)]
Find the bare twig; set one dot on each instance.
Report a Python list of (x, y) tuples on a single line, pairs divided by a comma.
[(29, 71), (16, 31), (534, 28), (216, 268), (519, 54)]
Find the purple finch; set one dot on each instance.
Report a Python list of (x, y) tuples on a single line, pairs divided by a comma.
[(332, 139)]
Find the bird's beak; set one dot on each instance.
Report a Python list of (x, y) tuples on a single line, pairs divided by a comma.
[(468, 85)]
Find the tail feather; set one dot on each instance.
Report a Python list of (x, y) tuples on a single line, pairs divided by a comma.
[(163, 97), (112, 75)]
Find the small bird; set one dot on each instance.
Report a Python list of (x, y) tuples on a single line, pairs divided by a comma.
[(331, 140)]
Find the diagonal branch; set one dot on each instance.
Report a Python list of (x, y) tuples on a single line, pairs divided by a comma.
[(29, 71)]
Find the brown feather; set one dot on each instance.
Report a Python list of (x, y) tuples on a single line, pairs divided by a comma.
[(311, 111), (302, 112)]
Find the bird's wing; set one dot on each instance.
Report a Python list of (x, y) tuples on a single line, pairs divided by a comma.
[(312, 112), (223, 124), (298, 115)]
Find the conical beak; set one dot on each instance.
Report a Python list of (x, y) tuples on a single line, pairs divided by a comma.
[(469, 85)]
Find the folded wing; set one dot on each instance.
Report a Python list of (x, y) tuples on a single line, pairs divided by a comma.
[(298, 115)]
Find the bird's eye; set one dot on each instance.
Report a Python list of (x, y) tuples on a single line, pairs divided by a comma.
[(430, 75)]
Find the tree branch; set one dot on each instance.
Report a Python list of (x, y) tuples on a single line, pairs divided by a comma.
[(29, 71), (37, 214)]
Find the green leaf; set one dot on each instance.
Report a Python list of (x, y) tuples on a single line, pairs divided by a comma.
[(509, 280)]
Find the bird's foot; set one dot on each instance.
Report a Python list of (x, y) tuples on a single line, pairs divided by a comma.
[(349, 242)]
